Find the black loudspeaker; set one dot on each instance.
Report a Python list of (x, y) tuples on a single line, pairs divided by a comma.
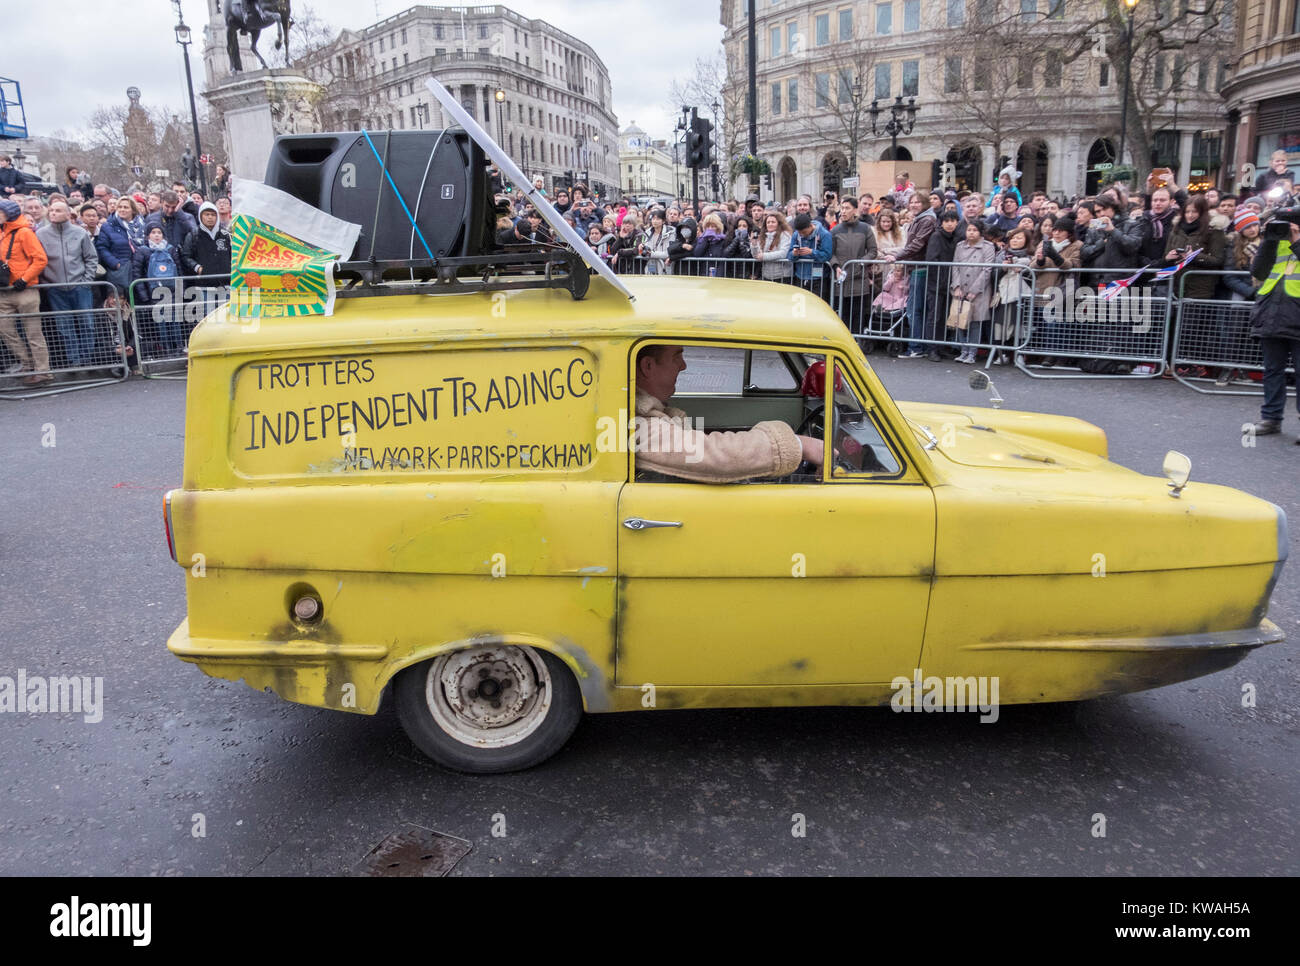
[(441, 176)]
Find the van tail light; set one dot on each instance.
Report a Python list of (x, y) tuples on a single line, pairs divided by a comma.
[(167, 524)]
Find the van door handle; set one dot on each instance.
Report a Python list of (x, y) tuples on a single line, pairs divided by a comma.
[(636, 523)]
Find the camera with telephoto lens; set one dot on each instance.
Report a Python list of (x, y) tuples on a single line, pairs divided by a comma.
[(1279, 226)]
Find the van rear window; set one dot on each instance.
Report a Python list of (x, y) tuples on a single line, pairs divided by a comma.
[(422, 412)]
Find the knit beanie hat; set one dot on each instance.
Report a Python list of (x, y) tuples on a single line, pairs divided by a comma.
[(11, 209), (1244, 219)]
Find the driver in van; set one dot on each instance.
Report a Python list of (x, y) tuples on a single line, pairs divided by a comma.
[(771, 448)]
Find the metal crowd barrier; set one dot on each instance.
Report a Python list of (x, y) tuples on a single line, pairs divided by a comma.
[(1214, 335), (1070, 325), (921, 323), (165, 312), (743, 268), (74, 337)]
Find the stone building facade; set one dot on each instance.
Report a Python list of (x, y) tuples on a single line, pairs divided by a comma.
[(1064, 131), (543, 94), (1263, 92)]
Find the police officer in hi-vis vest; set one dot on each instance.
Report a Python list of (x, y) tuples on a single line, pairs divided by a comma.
[(1275, 319)]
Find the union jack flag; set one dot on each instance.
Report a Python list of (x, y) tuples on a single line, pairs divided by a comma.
[(1172, 270), (1116, 286), (205, 159)]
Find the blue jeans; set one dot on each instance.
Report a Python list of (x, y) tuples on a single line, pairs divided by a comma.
[(916, 309), (1277, 353), (76, 325)]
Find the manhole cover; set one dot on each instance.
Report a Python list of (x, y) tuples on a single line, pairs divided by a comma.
[(415, 852)]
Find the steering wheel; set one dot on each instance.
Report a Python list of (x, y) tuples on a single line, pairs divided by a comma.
[(814, 425)]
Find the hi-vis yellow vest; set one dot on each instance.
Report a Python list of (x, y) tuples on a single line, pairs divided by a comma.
[(1285, 268)]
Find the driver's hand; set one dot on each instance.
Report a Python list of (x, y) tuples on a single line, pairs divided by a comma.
[(813, 450)]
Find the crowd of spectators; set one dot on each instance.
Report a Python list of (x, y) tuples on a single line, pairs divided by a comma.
[(977, 247), (137, 244)]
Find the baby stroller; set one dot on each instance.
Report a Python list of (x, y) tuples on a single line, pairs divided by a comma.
[(885, 320)]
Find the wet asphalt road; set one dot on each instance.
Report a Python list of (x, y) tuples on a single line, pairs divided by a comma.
[(1189, 781)]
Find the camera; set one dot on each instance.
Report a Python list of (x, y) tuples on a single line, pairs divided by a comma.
[(1279, 226)]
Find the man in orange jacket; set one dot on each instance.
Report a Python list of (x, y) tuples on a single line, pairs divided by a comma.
[(19, 303)]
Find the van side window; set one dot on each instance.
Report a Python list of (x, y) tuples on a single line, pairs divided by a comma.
[(858, 446), (683, 394)]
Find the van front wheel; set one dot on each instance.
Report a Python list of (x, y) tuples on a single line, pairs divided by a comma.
[(488, 709)]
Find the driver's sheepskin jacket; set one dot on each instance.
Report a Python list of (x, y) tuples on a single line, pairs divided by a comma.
[(666, 442)]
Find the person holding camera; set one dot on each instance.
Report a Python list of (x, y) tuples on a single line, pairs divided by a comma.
[(1275, 318)]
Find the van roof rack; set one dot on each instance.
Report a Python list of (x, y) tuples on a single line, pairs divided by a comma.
[(494, 272)]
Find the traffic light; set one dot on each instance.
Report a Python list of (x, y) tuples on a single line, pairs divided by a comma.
[(767, 180), (936, 173), (699, 146)]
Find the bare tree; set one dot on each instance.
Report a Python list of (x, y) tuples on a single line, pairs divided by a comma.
[(309, 32), (998, 80), (706, 86), (841, 87), (1143, 48)]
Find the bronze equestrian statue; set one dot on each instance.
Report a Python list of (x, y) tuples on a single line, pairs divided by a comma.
[(252, 17)]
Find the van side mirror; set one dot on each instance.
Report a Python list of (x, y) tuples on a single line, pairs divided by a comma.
[(980, 381)]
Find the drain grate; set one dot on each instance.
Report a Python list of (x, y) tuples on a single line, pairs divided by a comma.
[(415, 852)]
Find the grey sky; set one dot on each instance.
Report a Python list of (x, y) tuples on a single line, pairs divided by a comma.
[(105, 46)]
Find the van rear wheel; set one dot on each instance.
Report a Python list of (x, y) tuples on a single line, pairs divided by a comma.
[(488, 709)]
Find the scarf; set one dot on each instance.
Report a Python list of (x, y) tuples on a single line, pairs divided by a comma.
[(161, 246), (136, 236), (1157, 225)]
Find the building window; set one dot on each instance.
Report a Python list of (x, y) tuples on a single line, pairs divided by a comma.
[(823, 92), (792, 95), (911, 16), (882, 82), (776, 98), (956, 13), (437, 31), (484, 51), (884, 18), (406, 58), (1221, 75), (482, 31), (951, 75), (442, 51), (911, 78), (846, 24), (1052, 69), (1103, 79), (822, 33), (403, 35), (1160, 72), (982, 75), (381, 45), (1025, 72), (984, 10), (846, 91), (1055, 9), (791, 36), (1028, 10), (776, 42), (1202, 74)]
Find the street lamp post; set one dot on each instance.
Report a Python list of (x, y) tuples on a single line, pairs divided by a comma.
[(856, 93), (901, 121), (422, 112), (1128, 80), (183, 39), (500, 96)]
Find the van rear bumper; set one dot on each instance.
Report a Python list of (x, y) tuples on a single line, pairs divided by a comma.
[(343, 677)]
